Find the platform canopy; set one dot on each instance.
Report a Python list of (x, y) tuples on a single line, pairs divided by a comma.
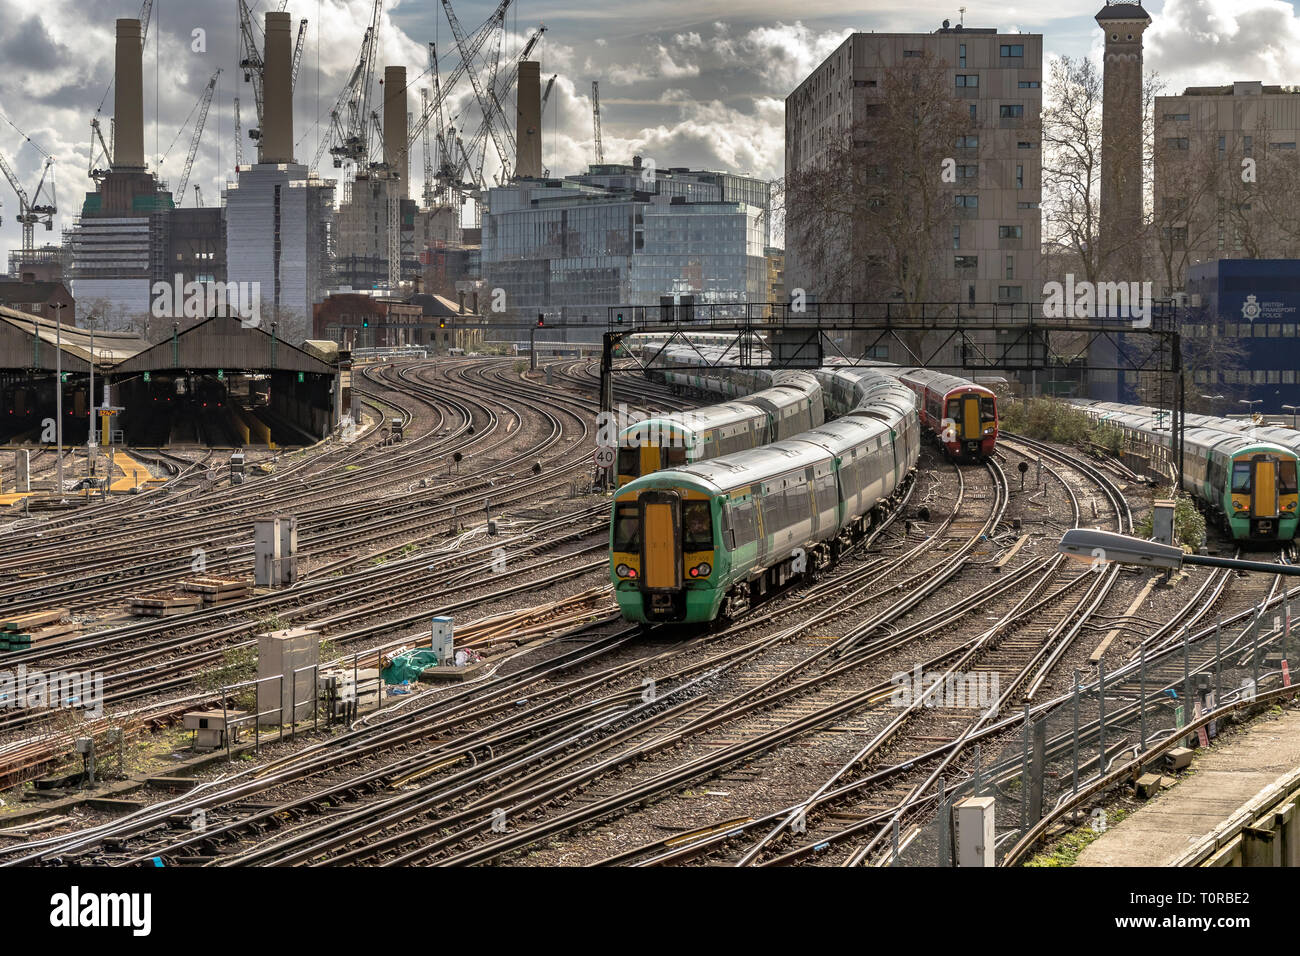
[(30, 342)]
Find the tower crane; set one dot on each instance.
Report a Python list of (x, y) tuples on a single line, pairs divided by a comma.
[(239, 138), (486, 103), (205, 102), (31, 212), (297, 52), (595, 121), (250, 61)]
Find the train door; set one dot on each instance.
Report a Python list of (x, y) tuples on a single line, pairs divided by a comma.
[(970, 417), (661, 530), (1263, 488)]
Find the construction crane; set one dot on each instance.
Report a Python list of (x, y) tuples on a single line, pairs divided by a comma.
[(96, 134), (478, 143), (595, 121), (298, 47), (198, 195), (350, 118), (31, 212), (205, 102), (239, 138), (428, 153), (546, 95), (250, 61), (489, 106), (146, 12)]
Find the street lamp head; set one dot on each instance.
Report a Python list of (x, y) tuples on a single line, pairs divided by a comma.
[(1087, 544)]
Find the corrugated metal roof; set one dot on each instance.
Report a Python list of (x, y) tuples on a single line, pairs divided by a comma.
[(18, 351), (225, 343)]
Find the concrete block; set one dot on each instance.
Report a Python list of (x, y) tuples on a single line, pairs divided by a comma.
[(1148, 785), (1180, 758)]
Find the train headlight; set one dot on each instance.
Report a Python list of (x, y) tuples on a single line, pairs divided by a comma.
[(701, 570), (1291, 506), (623, 571), (1239, 506)]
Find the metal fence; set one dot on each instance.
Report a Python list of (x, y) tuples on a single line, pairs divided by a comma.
[(1068, 745)]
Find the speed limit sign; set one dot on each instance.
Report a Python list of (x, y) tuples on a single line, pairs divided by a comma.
[(604, 457)]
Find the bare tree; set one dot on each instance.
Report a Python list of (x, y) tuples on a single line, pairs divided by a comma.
[(872, 217), (1072, 170)]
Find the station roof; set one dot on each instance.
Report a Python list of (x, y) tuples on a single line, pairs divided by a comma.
[(28, 341), (224, 342)]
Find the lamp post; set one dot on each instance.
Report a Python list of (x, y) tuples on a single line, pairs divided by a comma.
[(91, 445), (58, 388), (1250, 404), (1292, 409), (1212, 399)]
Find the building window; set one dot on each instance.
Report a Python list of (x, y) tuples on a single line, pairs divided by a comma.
[(968, 79), (1176, 142), (1011, 110), (1010, 232), (968, 142), (1178, 117), (1011, 266), (966, 201), (1247, 144), (956, 237), (972, 112), (1030, 84), (911, 53), (1020, 176), (961, 54), (965, 262), (1012, 49), (1024, 144), (971, 171), (1028, 205), (1223, 144), (1010, 293), (1290, 145)]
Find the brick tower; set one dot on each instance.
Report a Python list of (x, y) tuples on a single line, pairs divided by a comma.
[(1121, 141)]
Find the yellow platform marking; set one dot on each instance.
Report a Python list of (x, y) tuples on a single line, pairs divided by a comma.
[(14, 498), (135, 473)]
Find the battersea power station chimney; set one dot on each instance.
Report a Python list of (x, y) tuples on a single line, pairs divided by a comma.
[(277, 96), (528, 131), (396, 156), (128, 98)]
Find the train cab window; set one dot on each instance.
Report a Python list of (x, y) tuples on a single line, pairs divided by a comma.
[(629, 461), (988, 410), (1287, 478), (627, 528), (697, 526), (954, 409), (1240, 477)]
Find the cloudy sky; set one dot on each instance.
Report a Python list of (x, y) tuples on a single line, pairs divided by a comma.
[(698, 83)]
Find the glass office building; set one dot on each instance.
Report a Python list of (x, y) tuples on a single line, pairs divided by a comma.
[(570, 249)]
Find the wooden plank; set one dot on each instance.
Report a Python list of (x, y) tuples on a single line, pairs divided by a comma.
[(1000, 563)]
